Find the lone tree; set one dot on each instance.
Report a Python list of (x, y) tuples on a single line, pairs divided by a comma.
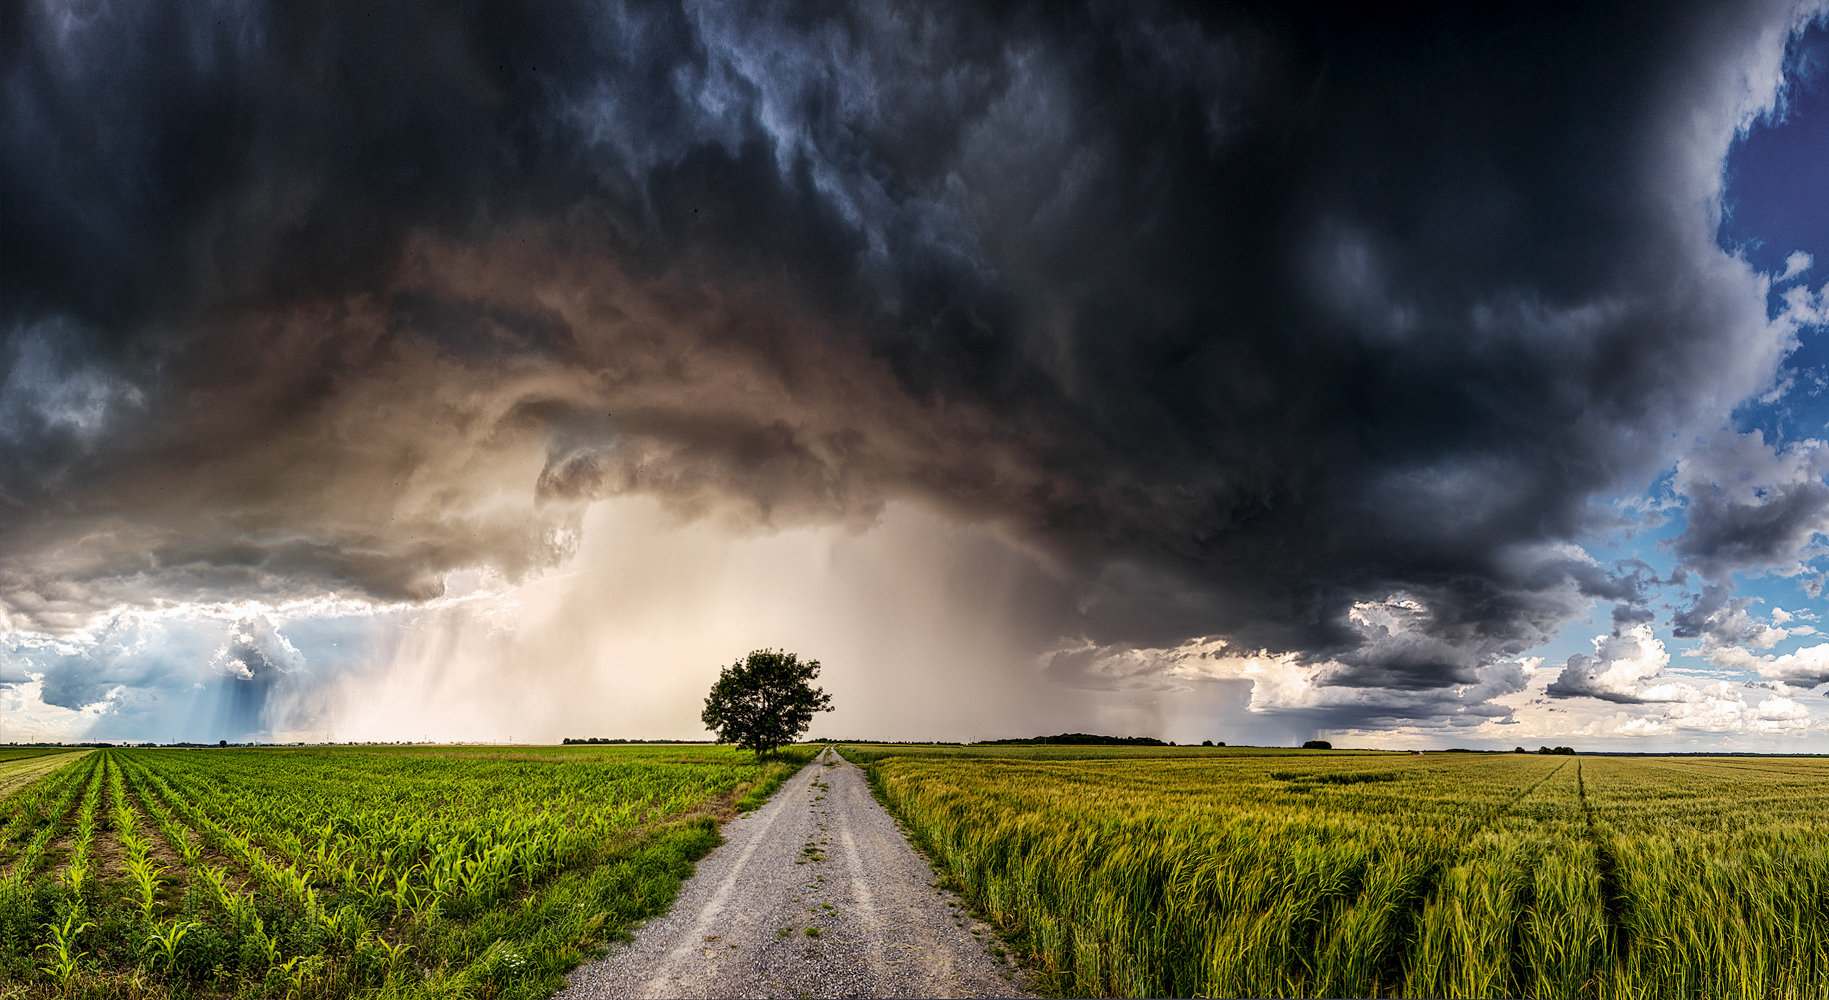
[(764, 701)]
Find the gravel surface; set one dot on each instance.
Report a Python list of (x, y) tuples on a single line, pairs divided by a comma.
[(816, 894)]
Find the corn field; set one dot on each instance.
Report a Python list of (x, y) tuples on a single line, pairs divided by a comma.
[(1446, 875), (347, 873)]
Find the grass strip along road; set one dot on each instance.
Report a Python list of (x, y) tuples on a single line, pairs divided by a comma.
[(412, 872), (1131, 872)]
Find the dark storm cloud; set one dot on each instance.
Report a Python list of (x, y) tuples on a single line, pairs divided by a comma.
[(1724, 536), (1246, 316), (1716, 613), (1750, 506), (1625, 615)]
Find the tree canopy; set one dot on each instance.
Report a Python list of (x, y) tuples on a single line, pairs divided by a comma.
[(764, 701)]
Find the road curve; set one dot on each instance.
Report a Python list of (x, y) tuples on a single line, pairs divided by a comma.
[(821, 854)]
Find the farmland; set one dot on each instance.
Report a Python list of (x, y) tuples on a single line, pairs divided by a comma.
[(1183, 873), (21, 767), (10, 754), (348, 872)]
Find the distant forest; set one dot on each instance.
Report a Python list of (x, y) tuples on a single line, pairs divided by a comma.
[(1080, 740), (568, 741)]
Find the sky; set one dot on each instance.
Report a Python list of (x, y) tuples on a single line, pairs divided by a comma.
[(1250, 372)]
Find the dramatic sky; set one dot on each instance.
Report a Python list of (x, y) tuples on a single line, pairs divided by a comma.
[(1246, 372)]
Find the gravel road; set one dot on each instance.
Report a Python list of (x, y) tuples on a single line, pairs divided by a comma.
[(816, 894)]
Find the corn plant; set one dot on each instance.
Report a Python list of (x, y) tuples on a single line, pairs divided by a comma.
[(65, 959), (76, 873), (145, 873), (163, 941)]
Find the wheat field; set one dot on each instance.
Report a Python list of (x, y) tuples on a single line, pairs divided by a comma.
[(1139, 873)]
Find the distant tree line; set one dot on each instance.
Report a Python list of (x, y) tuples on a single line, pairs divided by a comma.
[(893, 743), (1564, 751), (568, 741), (1079, 740)]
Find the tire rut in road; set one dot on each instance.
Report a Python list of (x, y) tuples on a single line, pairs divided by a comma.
[(816, 894)]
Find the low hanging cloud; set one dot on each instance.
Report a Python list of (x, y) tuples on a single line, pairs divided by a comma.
[(1804, 668), (1326, 694), (1630, 668), (1618, 671), (1323, 337)]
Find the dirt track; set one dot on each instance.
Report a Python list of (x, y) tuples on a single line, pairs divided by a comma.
[(821, 854)]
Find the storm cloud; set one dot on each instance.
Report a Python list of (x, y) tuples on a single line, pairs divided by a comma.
[(1324, 331)]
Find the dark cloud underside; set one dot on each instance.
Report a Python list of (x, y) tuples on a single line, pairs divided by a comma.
[(1242, 315)]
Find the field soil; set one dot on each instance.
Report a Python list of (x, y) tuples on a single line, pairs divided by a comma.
[(820, 856)]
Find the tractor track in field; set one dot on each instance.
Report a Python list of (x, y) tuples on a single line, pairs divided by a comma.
[(821, 855), (1614, 899), (1512, 803)]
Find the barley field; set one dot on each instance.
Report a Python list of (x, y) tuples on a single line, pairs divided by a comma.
[(1221, 873), (409, 872)]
